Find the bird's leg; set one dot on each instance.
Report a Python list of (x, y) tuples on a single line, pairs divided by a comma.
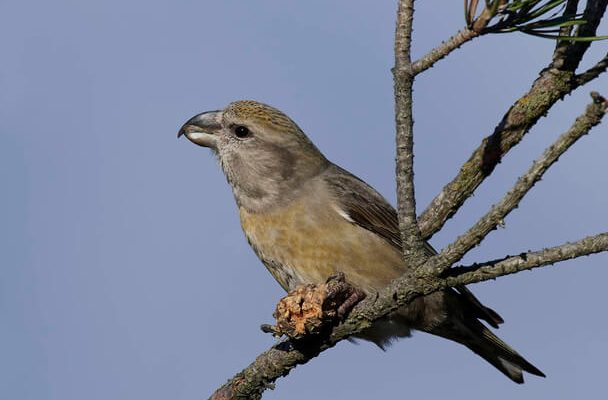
[(310, 308), (343, 294)]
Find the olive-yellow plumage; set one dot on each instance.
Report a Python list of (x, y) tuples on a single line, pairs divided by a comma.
[(306, 218), (312, 255)]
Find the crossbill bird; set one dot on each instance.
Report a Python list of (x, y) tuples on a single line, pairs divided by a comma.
[(306, 219)]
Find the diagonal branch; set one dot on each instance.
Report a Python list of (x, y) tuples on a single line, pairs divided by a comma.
[(562, 46), (280, 359), (428, 60), (413, 246), (455, 251), (526, 261), (593, 72), (553, 84), (467, 34), (568, 54)]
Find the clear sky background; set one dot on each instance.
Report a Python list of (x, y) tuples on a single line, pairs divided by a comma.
[(124, 273)]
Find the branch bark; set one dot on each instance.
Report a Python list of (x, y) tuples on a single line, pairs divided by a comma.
[(279, 360), (413, 245), (461, 37), (554, 82), (593, 72), (525, 261), (455, 251), (427, 61), (568, 55)]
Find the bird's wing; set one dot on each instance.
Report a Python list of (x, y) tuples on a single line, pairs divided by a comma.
[(365, 207)]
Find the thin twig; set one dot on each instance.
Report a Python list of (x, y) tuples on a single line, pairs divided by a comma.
[(549, 88), (553, 84), (456, 250), (461, 37), (561, 47), (545, 92), (592, 72), (568, 54), (529, 260), (413, 246), (428, 60)]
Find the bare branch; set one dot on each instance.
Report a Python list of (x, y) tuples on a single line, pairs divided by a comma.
[(486, 15), (561, 47), (279, 360), (456, 250), (526, 261), (267, 368), (592, 72), (568, 55), (467, 34), (413, 246), (428, 60), (553, 84)]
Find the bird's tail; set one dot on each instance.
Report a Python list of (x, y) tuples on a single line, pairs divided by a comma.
[(491, 348)]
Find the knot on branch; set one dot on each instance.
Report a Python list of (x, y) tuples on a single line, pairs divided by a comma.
[(310, 308), (599, 99)]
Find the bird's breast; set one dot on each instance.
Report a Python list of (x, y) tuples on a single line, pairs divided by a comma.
[(308, 240)]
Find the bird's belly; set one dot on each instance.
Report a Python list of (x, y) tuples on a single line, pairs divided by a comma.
[(299, 245)]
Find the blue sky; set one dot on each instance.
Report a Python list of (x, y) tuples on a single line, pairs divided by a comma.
[(124, 273)]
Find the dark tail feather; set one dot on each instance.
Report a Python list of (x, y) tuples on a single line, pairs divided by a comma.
[(478, 310), (491, 348)]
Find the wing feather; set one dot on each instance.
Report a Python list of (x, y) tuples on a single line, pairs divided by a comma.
[(367, 208)]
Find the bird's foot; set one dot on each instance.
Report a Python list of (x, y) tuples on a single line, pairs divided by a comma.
[(309, 308)]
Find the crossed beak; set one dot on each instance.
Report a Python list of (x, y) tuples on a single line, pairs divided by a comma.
[(202, 128)]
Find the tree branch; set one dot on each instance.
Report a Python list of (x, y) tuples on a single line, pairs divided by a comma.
[(467, 34), (553, 84), (526, 261), (561, 47), (592, 72), (456, 250), (428, 60), (413, 245), (281, 358), (568, 54)]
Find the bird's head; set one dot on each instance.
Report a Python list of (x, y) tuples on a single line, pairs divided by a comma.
[(263, 153)]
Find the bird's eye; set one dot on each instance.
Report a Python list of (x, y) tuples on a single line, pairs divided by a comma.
[(241, 131)]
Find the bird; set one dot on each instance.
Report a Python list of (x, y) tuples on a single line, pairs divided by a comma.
[(306, 219)]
